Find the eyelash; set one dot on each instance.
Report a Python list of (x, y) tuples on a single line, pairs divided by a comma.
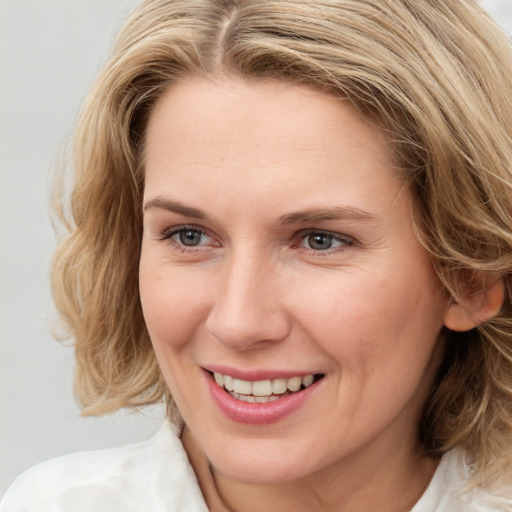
[(345, 241), (175, 230)]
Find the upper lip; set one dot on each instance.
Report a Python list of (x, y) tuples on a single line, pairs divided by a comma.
[(258, 375)]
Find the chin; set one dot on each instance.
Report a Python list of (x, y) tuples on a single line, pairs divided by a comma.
[(261, 465)]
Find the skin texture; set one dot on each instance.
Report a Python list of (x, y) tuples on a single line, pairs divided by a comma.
[(242, 166)]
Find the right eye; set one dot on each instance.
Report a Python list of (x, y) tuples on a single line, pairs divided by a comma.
[(187, 237)]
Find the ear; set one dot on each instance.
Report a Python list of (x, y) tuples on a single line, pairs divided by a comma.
[(482, 302)]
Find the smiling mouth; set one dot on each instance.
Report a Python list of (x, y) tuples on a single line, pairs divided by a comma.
[(264, 391)]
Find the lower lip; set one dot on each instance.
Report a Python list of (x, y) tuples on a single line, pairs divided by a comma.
[(256, 413)]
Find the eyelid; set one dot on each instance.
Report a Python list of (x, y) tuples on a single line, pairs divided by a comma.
[(168, 233)]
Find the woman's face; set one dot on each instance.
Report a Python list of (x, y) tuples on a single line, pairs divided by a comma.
[(279, 248)]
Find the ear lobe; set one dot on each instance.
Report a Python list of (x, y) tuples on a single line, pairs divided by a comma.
[(476, 307)]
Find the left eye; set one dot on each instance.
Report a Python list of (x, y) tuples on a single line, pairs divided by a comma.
[(322, 241), (189, 237)]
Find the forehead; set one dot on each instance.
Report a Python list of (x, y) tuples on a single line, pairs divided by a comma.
[(199, 109), (274, 139)]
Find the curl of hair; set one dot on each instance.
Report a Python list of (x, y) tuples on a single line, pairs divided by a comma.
[(435, 75)]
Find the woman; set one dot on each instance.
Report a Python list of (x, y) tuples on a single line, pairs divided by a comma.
[(293, 221)]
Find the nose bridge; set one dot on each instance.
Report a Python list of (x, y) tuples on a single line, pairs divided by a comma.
[(247, 309)]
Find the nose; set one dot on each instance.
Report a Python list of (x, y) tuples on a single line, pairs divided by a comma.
[(248, 310)]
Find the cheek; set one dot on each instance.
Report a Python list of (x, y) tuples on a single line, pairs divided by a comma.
[(173, 314), (382, 336), (173, 304), (373, 324)]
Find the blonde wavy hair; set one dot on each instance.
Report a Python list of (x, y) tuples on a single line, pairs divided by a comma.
[(435, 75)]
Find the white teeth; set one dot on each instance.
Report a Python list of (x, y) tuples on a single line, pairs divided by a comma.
[(219, 379), (294, 383), (307, 380), (254, 399), (263, 390), (228, 382), (278, 386), (242, 386)]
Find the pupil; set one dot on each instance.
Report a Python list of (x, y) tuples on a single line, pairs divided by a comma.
[(190, 237), (320, 241)]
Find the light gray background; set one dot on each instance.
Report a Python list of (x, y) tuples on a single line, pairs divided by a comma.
[(50, 51)]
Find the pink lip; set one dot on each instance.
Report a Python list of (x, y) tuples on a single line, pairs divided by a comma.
[(254, 413)]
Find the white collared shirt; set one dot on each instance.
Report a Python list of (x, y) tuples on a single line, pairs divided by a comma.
[(156, 476)]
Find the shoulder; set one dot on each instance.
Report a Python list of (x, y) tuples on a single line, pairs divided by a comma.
[(451, 490), (111, 480)]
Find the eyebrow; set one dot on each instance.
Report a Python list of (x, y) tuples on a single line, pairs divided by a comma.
[(336, 213), (175, 207), (313, 215)]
